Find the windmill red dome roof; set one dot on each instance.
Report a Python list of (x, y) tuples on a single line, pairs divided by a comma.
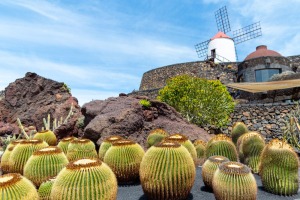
[(220, 34), (262, 51)]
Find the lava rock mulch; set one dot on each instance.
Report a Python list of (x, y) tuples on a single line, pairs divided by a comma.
[(199, 191)]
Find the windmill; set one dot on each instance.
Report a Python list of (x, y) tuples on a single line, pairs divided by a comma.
[(221, 48)]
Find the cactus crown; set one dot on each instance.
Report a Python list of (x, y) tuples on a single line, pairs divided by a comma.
[(234, 168), (83, 163), (220, 137), (50, 150), (68, 139), (158, 131), (218, 159), (276, 143), (32, 141), (168, 144), (15, 142), (177, 137), (113, 138), (123, 142), (7, 180), (80, 141), (197, 142)]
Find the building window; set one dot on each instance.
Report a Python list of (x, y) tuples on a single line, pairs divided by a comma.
[(262, 75)]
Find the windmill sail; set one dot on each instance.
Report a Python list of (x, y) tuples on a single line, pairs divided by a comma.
[(222, 20), (201, 48), (247, 33)]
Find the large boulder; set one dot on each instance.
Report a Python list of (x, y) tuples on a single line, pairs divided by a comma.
[(125, 116), (33, 97)]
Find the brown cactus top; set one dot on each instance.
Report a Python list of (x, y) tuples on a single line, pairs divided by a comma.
[(32, 141), (168, 144), (68, 139), (50, 150), (218, 159), (83, 163), (113, 138), (197, 142), (7, 180), (123, 142), (234, 168), (158, 131), (177, 137)]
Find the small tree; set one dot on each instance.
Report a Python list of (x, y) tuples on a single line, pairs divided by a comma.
[(201, 101)]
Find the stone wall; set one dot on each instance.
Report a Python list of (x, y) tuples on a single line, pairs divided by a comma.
[(157, 78), (295, 60)]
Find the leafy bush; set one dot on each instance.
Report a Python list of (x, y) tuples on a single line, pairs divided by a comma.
[(145, 103), (201, 101)]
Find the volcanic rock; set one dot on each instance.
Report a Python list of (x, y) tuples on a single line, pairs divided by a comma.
[(126, 117)]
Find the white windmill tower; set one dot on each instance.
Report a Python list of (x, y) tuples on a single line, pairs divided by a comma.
[(221, 48)]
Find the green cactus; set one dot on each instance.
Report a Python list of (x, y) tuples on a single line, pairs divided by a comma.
[(250, 146), (85, 179), (81, 148), (167, 171), (221, 145), (155, 136), (4, 165), (209, 168), (45, 189), (21, 153), (14, 186), (184, 141), (106, 144), (234, 181), (124, 158), (200, 147), (47, 136), (238, 129), (45, 163), (279, 168), (64, 143)]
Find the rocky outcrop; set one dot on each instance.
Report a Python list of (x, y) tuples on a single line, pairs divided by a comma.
[(33, 97), (125, 116)]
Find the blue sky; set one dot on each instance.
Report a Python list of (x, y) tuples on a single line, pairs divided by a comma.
[(101, 48)]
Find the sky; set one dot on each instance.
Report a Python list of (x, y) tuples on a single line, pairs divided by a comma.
[(101, 48)]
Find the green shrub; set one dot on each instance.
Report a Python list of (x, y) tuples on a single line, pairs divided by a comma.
[(201, 101), (145, 103)]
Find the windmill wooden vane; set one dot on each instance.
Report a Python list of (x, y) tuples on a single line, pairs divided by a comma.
[(221, 47)]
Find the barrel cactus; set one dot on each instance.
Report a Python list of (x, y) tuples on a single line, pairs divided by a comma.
[(124, 158), (6, 155), (221, 145), (47, 136), (167, 171), (200, 147), (45, 189), (184, 141), (106, 144), (64, 143), (250, 146), (279, 168), (15, 186), (81, 148), (85, 179), (155, 136), (238, 129), (234, 181), (21, 153), (45, 163), (209, 168)]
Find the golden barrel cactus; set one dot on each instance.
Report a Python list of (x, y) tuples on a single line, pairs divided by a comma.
[(45, 163), (209, 168), (124, 158), (234, 181), (106, 144), (21, 153), (279, 168), (47, 136), (155, 136), (13, 186), (85, 179), (45, 189), (167, 171), (238, 129), (81, 148), (200, 147), (64, 143)]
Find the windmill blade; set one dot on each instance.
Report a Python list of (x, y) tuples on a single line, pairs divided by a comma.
[(201, 48), (247, 33), (222, 20)]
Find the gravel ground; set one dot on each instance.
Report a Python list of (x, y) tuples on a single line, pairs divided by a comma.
[(198, 191)]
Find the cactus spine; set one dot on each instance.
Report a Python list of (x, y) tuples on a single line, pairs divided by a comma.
[(200, 147), (234, 181), (124, 158), (45, 163), (167, 171), (279, 168), (81, 148), (250, 146), (47, 136), (45, 189), (64, 143), (209, 168), (221, 145), (22, 152), (15, 186), (156, 136), (6, 156), (85, 179), (238, 129), (106, 144), (184, 141)]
